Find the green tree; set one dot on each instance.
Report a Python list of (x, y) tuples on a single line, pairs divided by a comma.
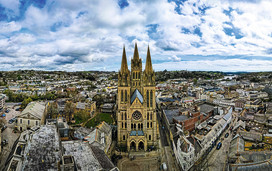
[(25, 102), (52, 110), (69, 110)]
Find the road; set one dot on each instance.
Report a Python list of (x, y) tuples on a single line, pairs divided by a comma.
[(217, 159), (8, 134)]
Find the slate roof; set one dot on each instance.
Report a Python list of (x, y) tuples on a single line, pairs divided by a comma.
[(138, 95)]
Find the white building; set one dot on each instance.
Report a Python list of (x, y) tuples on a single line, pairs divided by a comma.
[(32, 115)]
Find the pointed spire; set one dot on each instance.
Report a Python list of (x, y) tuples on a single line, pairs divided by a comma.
[(136, 53), (124, 66), (148, 64)]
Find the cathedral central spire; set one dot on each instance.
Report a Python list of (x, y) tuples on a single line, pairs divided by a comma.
[(136, 53)]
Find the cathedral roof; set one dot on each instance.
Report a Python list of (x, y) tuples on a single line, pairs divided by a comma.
[(138, 95)]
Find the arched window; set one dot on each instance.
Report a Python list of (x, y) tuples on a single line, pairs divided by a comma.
[(149, 137), (124, 137), (141, 126), (151, 98), (133, 75), (150, 116), (122, 98), (131, 126), (150, 124), (134, 126), (125, 95), (147, 115), (147, 98), (125, 125), (147, 124), (122, 125)]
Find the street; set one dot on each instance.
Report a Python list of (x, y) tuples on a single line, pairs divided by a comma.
[(216, 159), (8, 134)]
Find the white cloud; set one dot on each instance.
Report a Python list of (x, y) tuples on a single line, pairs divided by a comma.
[(66, 34)]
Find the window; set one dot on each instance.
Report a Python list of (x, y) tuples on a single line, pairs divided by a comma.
[(147, 124), (133, 75), (125, 115), (124, 137), (134, 126), (151, 98), (150, 116), (122, 98), (149, 137), (137, 115), (131, 126), (28, 122), (147, 116), (125, 95), (122, 116), (139, 126), (36, 122), (21, 120), (125, 125), (150, 124), (138, 75), (147, 98), (122, 124)]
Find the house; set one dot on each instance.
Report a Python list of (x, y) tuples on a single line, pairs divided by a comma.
[(2, 100), (90, 107), (32, 115), (107, 108)]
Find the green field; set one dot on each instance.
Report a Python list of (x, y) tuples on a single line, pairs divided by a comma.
[(98, 119)]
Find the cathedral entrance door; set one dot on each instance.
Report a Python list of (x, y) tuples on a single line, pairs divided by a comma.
[(132, 146), (141, 145)]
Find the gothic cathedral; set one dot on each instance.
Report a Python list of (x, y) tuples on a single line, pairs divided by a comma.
[(136, 115)]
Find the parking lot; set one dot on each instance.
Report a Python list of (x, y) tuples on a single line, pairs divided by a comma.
[(8, 134)]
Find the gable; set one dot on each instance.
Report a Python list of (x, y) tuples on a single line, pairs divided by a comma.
[(28, 115)]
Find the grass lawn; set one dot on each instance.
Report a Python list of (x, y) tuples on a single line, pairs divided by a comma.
[(98, 119)]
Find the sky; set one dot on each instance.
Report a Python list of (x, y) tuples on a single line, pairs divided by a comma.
[(85, 35)]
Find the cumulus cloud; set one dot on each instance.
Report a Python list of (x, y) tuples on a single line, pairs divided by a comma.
[(84, 35)]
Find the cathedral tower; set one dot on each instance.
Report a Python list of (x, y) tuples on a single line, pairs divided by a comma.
[(136, 114)]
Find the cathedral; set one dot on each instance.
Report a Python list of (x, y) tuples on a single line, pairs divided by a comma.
[(136, 114)]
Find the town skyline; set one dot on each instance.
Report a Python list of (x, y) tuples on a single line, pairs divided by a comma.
[(182, 35)]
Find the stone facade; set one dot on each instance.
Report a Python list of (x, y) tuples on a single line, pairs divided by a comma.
[(136, 114), (32, 115)]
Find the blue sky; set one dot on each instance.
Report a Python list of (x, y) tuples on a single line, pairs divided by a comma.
[(75, 35)]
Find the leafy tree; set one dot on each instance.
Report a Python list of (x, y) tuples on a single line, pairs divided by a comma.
[(25, 102), (69, 110), (52, 110)]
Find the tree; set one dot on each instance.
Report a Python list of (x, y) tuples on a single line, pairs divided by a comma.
[(25, 102), (69, 110), (52, 110)]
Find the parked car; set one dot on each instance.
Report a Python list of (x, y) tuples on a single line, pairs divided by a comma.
[(219, 145), (226, 135), (12, 120), (3, 128), (4, 142)]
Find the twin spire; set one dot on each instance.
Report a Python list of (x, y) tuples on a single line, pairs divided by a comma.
[(148, 64)]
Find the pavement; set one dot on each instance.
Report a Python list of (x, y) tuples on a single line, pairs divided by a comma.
[(141, 163)]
